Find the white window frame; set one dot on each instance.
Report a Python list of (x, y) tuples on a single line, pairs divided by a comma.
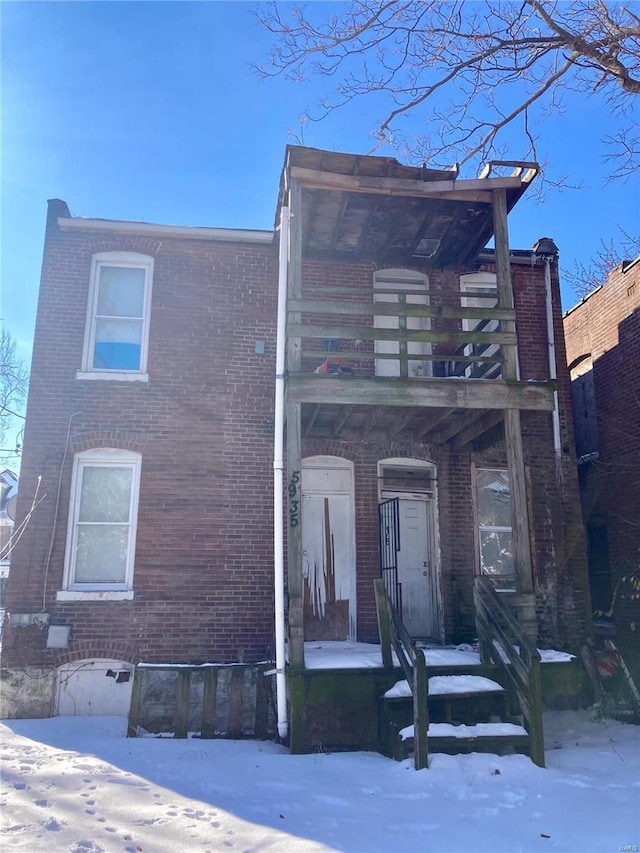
[(488, 528), (128, 260), (403, 280), (110, 458)]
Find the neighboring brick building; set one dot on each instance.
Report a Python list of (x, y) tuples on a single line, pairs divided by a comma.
[(151, 422), (603, 352)]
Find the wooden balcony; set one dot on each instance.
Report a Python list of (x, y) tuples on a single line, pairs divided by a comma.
[(401, 369)]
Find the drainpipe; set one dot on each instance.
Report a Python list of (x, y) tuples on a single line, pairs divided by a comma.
[(548, 251), (278, 476)]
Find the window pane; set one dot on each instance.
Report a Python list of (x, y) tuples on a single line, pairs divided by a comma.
[(496, 553), (105, 494), (101, 553), (118, 344), (121, 291), (494, 498)]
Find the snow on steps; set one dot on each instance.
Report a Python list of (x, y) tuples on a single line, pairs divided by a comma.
[(448, 685), (479, 730), (466, 698), (498, 738)]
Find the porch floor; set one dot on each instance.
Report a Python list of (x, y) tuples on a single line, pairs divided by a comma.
[(348, 654)]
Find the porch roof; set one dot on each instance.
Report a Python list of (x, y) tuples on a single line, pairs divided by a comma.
[(375, 209)]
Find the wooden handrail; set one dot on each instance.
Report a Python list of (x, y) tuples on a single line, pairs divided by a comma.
[(503, 643), (354, 308), (394, 635)]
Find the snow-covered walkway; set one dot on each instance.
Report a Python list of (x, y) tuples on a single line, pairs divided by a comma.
[(75, 784)]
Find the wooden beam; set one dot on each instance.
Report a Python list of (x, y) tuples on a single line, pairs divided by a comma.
[(429, 393), (476, 429), (480, 188), (432, 420), (312, 419), (456, 425), (395, 309), (308, 330), (400, 424), (340, 421), (513, 435), (503, 279), (294, 443), (372, 420)]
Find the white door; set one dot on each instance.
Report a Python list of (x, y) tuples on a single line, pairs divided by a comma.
[(417, 568), (328, 549), (401, 280), (94, 688)]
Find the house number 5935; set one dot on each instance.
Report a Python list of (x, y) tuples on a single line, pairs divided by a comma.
[(294, 502)]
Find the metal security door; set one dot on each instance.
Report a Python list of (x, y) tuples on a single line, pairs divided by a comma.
[(389, 530)]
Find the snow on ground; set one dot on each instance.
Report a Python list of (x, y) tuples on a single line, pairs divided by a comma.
[(77, 785)]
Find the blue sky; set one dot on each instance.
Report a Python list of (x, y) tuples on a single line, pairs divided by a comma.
[(150, 111)]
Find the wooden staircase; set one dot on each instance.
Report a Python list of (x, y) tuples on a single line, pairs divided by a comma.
[(495, 707), (466, 714)]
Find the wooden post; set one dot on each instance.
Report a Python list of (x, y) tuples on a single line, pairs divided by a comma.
[(297, 736), (208, 725), (420, 712), (536, 735), (294, 484), (384, 623), (263, 690), (183, 693), (236, 701), (136, 696), (513, 433), (294, 442)]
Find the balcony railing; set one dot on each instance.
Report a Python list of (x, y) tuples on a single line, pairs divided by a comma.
[(345, 330)]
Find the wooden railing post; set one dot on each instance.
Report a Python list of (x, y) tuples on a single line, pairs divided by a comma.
[(208, 725), (384, 622), (536, 734), (183, 695), (504, 642), (414, 667), (136, 697), (420, 712)]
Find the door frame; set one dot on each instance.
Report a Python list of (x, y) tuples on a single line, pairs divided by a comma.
[(425, 495), (333, 463)]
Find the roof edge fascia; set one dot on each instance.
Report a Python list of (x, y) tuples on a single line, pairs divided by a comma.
[(149, 229)]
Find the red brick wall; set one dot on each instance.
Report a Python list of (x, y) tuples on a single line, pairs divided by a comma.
[(203, 567), (607, 325), (204, 426)]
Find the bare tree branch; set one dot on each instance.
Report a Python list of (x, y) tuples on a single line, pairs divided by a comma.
[(585, 277), (13, 383), (471, 69)]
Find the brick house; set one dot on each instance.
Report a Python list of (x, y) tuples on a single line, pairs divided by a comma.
[(603, 353), (419, 398)]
